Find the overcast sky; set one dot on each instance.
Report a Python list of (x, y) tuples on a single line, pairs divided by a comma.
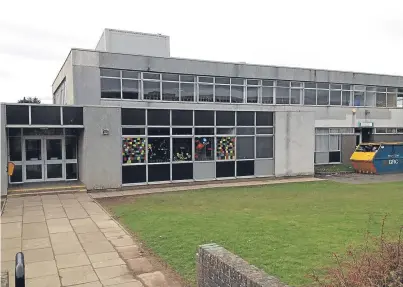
[(354, 35)]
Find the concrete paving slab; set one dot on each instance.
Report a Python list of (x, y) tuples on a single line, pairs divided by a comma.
[(140, 265), (91, 237), (33, 219), (117, 281), (46, 281), (9, 219), (112, 272), (11, 243), (40, 269), (97, 247), (84, 225), (34, 230), (129, 252), (106, 259), (77, 275), (72, 260), (9, 254), (59, 225), (153, 279), (35, 243), (11, 230), (123, 240), (36, 255), (92, 284)]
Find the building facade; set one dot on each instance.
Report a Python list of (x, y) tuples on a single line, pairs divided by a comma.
[(126, 114)]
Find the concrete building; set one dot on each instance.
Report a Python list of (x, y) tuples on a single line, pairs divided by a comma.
[(128, 113)]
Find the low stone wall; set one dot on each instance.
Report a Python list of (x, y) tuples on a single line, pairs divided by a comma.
[(4, 279), (217, 267)]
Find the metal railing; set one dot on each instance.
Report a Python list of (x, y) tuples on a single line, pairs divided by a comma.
[(19, 270)]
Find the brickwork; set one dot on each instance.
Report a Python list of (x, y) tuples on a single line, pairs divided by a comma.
[(217, 267)]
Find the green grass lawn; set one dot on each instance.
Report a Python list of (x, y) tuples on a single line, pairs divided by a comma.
[(287, 229)]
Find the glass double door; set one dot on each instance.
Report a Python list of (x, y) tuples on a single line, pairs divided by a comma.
[(43, 158)]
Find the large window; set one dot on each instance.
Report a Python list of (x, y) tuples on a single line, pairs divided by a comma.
[(327, 146)]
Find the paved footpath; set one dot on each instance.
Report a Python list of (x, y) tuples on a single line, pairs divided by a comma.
[(69, 240)]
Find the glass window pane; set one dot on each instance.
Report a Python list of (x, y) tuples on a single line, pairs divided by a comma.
[(267, 95), (54, 149), (206, 79), (225, 148), (110, 73), (285, 84), (133, 117), (334, 142), (131, 74), (133, 131), (170, 77), (15, 148), (346, 87), (245, 147), (381, 89), (225, 131), (159, 172), (158, 131), (45, 115), (245, 118), (310, 85), (335, 86), (321, 157), (187, 92), (182, 131), (221, 80), (204, 131), (296, 96), (335, 98), (225, 118), (358, 98), (222, 94), (322, 143), (268, 131), (296, 84), (204, 148), (182, 171), (182, 117), (380, 100), (170, 91), (268, 83), (17, 115), (182, 149), (237, 81), (151, 76), (134, 174), (206, 93), (158, 117), (245, 168), (264, 147), (40, 132), (158, 150), (204, 118), (282, 96), (310, 97), (33, 171), (187, 78), (334, 157), (323, 86), (131, 89), (71, 147), (391, 100), (110, 88), (252, 94), (54, 171), (237, 94), (264, 118), (345, 98), (225, 169), (370, 99), (252, 82), (72, 116), (14, 132), (323, 97), (152, 90), (245, 131)]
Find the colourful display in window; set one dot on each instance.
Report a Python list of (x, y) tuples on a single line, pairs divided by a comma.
[(133, 150), (225, 148)]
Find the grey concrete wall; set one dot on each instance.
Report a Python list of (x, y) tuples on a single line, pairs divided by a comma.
[(66, 73), (294, 143), (87, 85), (100, 163), (3, 151), (387, 138), (177, 65), (347, 148), (217, 267)]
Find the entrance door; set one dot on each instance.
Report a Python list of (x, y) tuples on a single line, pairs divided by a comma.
[(43, 158), (53, 148), (33, 159)]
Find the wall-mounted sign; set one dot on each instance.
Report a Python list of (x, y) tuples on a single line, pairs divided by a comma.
[(105, 132), (366, 124)]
